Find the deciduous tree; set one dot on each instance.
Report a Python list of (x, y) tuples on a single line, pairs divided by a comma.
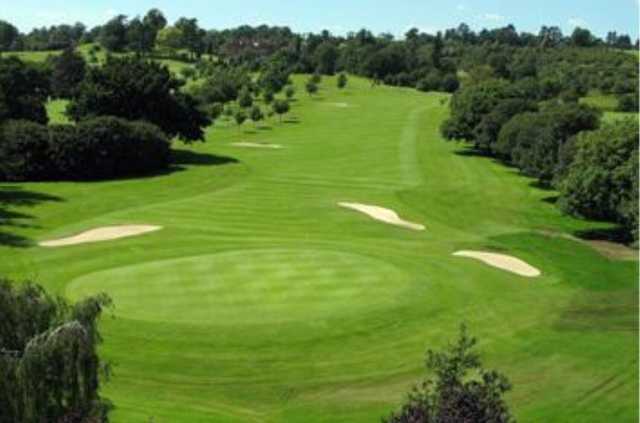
[(459, 389), (342, 80), (136, 89), (68, 71), (281, 107), (256, 114), (602, 180), (8, 36), (24, 89), (49, 364), (113, 34), (311, 87)]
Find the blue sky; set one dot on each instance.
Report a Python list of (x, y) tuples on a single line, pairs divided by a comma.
[(340, 16)]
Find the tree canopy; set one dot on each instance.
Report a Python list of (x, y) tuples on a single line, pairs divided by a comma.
[(137, 89), (49, 364), (23, 90), (602, 180), (68, 71), (459, 389)]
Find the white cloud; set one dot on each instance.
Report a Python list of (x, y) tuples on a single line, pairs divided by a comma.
[(575, 21), (110, 13), (494, 17)]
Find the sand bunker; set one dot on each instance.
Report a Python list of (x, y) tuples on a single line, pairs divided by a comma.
[(256, 145), (106, 233), (502, 261), (383, 215)]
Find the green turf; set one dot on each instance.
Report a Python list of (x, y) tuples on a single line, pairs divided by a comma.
[(57, 111), (262, 301)]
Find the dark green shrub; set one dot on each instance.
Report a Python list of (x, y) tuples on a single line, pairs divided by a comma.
[(24, 152), (99, 148), (450, 83), (109, 147), (68, 71), (628, 103), (429, 83), (23, 90)]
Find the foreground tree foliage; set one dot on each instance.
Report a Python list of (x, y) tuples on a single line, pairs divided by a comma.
[(136, 89), (49, 366), (24, 89), (460, 389), (99, 148), (602, 180)]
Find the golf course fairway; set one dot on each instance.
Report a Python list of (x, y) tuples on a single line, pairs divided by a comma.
[(262, 300)]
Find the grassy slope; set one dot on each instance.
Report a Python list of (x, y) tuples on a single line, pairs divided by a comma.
[(261, 301)]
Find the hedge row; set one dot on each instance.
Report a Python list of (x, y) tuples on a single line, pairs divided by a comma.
[(99, 148)]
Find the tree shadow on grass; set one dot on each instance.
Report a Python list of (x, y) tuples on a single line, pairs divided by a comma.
[(544, 186), (552, 199), (469, 151), (10, 198), (615, 234), (180, 158)]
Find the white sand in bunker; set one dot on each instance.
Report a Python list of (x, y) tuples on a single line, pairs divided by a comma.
[(502, 261), (106, 233), (256, 145), (382, 214)]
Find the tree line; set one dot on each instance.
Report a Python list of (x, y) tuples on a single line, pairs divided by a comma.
[(428, 61), (140, 34), (558, 141)]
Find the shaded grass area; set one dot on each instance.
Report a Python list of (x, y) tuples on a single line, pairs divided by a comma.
[(263, 301), (12, 198)]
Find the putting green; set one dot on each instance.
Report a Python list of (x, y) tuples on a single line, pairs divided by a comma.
[(249, 287)]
